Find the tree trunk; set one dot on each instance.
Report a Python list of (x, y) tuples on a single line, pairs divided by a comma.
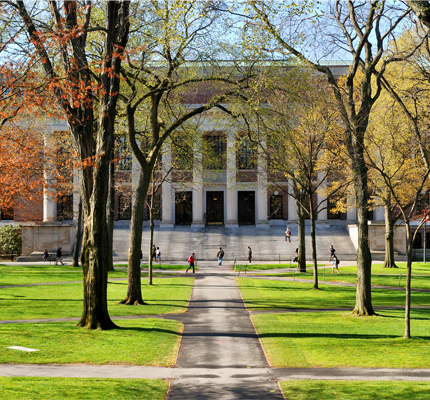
[(389, 239), (77, 249), (134, 289), (95, 250), (314, 248), (111, 212), (151, 239), (407, 334), (301, 257), (363, 301)]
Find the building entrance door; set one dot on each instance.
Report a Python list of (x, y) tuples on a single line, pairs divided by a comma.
[(246, 208), (183, 208), (215, 208)]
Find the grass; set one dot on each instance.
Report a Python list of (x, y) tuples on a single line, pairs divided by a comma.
[(27, 274), (264, 294), (334, 339), (264, 267), (162, 267), (354, 390), (146, 341), (18, 388), (380, 276), (166, 295)]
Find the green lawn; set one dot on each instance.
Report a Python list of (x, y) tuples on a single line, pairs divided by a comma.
[(166, 295), (146, 341), (263, 267), (156, 266), (18, 388), (355, 390), (27, 274), (334, 339), (380, 276), (265, 294)]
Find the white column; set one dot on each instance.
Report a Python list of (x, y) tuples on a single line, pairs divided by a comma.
[(49, 195), (197, 188), (379, 214), (292, 208), (351, 213), (262, 213), (322, 200), (166, 200), (231, 192)]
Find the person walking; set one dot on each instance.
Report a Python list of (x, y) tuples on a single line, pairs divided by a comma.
[(332, 250), (191, 260), (288, 235), (45, 255), (335, 264), (158, 255), (296, 258), (141, 259), (154, 253), (59, 256), (220, 255), (249, 254)]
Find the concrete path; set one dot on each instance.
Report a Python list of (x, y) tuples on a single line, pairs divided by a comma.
[(220, 335), (219, 376)]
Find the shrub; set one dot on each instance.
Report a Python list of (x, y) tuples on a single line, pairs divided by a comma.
[(10, 238)]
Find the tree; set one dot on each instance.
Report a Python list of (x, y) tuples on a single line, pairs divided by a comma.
[(396, 158), (87, 93), (300, 141), (361, 24), (160, 78)]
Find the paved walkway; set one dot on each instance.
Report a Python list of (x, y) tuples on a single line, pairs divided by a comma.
[(220, 356)]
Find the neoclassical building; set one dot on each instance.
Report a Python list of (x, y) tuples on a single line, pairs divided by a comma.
[(237, 192)]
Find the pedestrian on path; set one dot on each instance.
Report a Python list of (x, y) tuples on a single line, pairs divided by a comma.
[(288, 235), (158, 255), (332, 251), (296, 258), (45, 255), (141, 259), (154, 253), (335, 264), (220, 255), (191, 260), (249, 254), (59, 257)]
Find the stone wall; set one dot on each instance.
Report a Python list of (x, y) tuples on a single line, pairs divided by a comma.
[(50, 236)]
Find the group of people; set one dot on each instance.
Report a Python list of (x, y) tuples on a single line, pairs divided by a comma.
[(220, 255), (59, 256)]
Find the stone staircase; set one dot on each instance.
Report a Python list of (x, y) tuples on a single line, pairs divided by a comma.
[(177, 243)]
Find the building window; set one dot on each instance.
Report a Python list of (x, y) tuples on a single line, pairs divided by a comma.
[(124, 155), (6, 213), (156, 206), (216, 149), (246, 154), (418, 241), (65, 208), (276, 207), (124, 208)]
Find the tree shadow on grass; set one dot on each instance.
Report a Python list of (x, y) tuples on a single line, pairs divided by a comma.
[(303, 335), (145, 330)]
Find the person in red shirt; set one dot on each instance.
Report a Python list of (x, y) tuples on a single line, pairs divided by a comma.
[(191, 260)]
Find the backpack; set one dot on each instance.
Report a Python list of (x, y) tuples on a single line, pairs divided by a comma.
[(222, 253), (189, 259)]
